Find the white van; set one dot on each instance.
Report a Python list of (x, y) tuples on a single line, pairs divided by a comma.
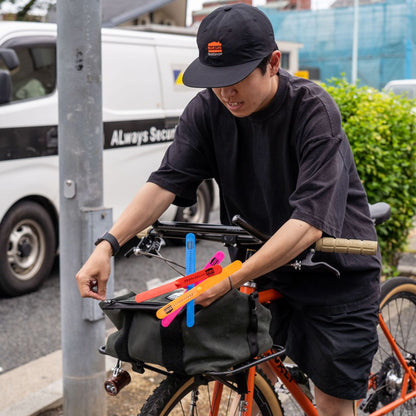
[(143, 97)]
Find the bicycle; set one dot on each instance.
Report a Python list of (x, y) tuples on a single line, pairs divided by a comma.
[(392, 382)]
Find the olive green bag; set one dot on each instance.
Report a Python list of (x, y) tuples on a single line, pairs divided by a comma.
[(230, 331)]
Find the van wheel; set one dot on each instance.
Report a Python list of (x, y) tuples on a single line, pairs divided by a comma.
[(27, 248), (198, 212)]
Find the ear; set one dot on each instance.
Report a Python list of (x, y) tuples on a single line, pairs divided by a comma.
[(275, 62)]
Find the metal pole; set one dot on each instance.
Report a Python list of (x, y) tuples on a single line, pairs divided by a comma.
[(409, 41), (82, 217), (355, 43)]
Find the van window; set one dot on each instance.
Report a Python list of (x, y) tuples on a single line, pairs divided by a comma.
[(408, 91), (36, 75)]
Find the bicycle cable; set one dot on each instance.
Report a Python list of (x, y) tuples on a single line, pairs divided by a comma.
[(169, 262)]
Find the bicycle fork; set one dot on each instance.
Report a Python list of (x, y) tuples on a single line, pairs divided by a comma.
[(246, 402), (242, 403)]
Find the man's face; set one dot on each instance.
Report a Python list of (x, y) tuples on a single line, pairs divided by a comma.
[(249, 95)]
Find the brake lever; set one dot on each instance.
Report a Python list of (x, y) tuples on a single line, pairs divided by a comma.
[(308, 263)]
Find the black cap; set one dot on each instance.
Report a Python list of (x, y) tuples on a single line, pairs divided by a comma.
[(232, 41)]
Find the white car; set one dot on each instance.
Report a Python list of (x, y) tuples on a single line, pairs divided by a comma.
[(406, 87)]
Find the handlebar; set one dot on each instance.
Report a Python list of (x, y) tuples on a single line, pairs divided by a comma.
[(343, 245), (243, 234)]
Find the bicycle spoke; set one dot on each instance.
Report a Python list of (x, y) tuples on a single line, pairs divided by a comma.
[(204, 402), (183, 411), (197, 396), (411, 319), (399, 318)]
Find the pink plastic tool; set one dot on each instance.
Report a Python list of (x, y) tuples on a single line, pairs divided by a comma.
[(182, 282), (216, 259)]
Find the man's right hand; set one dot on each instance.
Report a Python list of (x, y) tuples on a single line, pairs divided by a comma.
[(150, 202), (93, 276)]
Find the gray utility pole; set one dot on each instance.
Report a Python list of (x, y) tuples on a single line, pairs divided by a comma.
[(356, 24), (409, 42), (82, 217)]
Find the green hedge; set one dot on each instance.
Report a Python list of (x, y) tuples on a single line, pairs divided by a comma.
[(382, 131)]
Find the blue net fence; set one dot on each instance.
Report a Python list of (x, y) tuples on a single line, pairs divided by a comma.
[(386, 40)]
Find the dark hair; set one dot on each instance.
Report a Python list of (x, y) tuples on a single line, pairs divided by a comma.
[(263, 64)]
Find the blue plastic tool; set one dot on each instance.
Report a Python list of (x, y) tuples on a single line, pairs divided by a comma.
[(190, 268)]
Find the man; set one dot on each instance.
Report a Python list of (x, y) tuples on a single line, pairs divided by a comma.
[(275, 145)]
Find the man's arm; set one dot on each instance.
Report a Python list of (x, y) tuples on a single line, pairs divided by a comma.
[(289, 241), (146, 207)]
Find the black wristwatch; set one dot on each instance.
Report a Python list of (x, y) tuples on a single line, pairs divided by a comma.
[(115, 246)]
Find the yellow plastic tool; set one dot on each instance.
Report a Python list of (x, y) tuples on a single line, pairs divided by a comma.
[(197, 290)]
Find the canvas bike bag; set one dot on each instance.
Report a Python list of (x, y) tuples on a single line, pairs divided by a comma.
[(228, 332)]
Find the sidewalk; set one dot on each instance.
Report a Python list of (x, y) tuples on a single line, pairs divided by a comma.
[(407, 265), (35, 387)]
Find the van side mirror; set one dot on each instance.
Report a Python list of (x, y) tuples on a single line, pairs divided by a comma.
[(10, 58)]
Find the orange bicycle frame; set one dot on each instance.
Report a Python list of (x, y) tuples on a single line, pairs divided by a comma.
[(277, 366), (409, 375), (300, 397)]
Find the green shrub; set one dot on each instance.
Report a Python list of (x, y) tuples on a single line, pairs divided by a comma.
[(382, 131)]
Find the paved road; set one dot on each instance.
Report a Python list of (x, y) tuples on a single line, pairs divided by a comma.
[(30, 325)]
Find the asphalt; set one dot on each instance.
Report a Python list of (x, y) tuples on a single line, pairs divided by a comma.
[(33, 388)]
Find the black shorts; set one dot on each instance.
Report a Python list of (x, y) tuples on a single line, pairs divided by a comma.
[(333, 345)]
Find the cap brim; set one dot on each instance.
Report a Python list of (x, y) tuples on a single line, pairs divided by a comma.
[(203, 76)]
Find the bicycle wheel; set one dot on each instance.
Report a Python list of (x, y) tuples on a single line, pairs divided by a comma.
[(193, 397), (398, 308)]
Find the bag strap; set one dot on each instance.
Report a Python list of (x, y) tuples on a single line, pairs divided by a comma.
[(121, 343), (252, 328), (172, 345)]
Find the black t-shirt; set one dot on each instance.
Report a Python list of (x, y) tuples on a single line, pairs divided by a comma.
[(289, 160)]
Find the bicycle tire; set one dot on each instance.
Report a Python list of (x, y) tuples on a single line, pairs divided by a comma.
[(172, 397), (398, 308)]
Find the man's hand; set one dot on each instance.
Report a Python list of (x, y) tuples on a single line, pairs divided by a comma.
[(93, 276), (214, 293)]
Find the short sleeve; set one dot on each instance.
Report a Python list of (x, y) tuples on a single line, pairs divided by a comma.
[(187, 161), (323, 183)]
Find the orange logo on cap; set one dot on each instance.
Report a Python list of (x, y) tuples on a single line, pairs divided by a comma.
[(214, 48)]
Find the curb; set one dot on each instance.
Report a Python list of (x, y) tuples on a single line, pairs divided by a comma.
[(407, 263), (49, 397), (36, 386), (407, 270), (28, 388)]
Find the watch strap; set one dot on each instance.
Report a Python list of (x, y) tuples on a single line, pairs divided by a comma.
[(115, 246)]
